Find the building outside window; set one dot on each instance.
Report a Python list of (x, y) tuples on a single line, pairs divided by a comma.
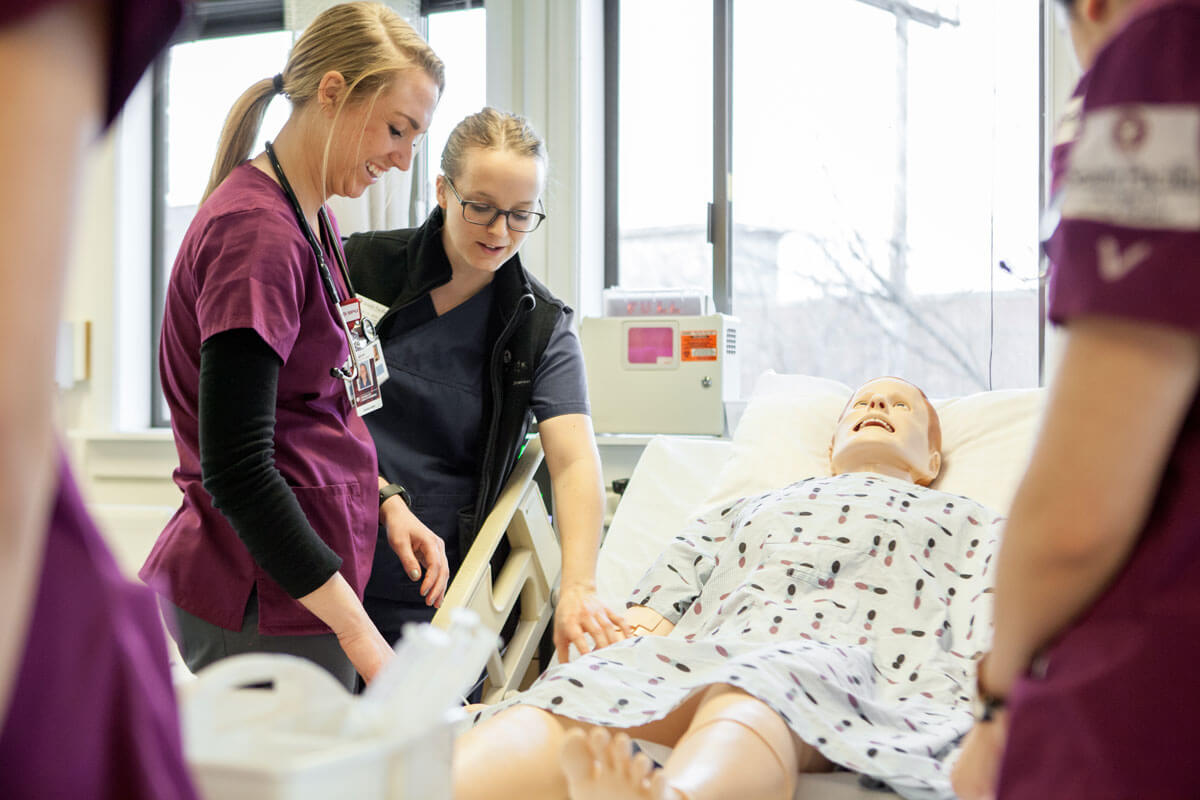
[(884, 184)]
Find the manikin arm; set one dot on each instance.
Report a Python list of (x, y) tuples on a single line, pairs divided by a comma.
[(647, 622), (677, 576)]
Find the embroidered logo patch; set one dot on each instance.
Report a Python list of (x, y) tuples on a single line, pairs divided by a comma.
[(1137, 166)]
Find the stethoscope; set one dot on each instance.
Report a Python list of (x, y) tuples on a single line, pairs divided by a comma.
[(365, 327)]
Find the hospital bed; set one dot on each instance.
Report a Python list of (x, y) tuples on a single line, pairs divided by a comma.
[(783, 436)]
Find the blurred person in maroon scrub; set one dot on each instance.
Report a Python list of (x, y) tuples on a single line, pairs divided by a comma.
[(86, 703), (1090, 685)]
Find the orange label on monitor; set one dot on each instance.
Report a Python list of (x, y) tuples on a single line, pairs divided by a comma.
[(698, 345)]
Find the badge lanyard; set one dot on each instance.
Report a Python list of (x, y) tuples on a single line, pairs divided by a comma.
[(365, 368)]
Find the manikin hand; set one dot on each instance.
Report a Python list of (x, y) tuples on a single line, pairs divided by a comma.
[(581, 611), (417, 546), (977, 770)]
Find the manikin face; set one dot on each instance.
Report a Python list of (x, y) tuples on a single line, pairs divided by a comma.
[(499, 178), (374, 135), (885, 429)]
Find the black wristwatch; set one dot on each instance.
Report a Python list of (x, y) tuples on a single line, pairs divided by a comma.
[(393, 489), (986, 706)]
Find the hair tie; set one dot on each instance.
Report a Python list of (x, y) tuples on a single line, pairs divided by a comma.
[(278, 82)]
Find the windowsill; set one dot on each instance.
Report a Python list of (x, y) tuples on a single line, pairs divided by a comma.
[(139, 455), (100, 436)]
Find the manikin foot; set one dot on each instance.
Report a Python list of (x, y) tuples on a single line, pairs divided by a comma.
[(600, 766)]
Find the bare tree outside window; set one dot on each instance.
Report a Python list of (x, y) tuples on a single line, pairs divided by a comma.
[(885, 166)]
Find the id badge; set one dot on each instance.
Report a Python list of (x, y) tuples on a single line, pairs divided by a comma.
[(363, 337), (363, 385), (363, 388), (372, 312)]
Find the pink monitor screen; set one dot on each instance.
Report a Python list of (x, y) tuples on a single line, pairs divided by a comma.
[(651, 344)]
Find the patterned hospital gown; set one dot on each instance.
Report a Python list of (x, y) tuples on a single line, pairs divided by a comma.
[(854, 606)]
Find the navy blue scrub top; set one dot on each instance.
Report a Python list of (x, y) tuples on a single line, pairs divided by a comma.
[(427, 433)]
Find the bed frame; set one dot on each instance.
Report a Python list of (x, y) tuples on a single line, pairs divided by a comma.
[(526, 580)]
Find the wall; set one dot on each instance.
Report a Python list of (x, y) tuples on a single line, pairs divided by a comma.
[(545, 60)]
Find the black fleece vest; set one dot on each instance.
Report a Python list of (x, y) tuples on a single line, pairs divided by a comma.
[(405, 265)]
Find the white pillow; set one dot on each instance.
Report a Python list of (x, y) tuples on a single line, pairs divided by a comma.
[(987, 439), (783, 435), (664, 494), (785, 432)]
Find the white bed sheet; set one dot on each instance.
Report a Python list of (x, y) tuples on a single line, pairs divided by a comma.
[(670, 481)]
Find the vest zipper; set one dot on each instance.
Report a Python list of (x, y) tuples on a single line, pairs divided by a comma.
[(523, 308)]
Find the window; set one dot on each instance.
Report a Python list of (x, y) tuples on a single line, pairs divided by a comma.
[(460, 40), (200, 81), (665, 137), (884, 184)]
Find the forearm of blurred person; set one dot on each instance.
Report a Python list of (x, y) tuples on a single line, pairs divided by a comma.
[(53, 109), (1113, 414)]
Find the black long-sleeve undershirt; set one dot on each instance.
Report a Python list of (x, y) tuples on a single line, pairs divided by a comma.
[(239, 376)]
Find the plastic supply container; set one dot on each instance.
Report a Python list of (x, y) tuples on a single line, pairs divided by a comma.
[(302, 739), (655, 302)]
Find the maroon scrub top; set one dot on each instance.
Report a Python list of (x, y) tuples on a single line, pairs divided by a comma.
[(1112, 714), (138, 31), (244, 263), (92, 712)]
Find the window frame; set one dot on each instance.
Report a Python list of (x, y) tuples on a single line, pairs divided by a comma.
[(206, 19)]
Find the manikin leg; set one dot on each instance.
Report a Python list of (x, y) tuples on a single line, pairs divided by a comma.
[(513, 754), (518, 752), (735, 747)]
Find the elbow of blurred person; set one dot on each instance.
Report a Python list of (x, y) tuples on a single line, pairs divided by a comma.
[(1076, 537)]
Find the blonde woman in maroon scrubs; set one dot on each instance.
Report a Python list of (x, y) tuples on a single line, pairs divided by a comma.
[(272, 543)]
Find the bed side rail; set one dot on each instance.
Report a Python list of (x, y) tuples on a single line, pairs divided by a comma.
[(528, 576)]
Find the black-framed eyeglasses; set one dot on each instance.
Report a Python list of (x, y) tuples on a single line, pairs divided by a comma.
[(518, 220)]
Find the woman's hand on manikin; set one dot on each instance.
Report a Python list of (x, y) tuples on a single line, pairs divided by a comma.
[(420, 550), (581, 613)]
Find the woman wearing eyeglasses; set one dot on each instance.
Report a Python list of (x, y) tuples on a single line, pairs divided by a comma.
[(475, 346)]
